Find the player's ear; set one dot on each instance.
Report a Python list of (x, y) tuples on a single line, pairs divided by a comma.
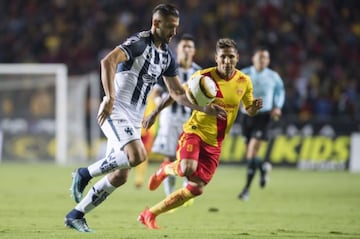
[(156, 22), (253, 58)]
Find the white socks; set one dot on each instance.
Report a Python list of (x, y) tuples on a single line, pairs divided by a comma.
[(116, 159), (169, 184), (96, 195)]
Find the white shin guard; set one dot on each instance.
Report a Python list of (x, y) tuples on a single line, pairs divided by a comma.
[(116, 159), (96, 195)]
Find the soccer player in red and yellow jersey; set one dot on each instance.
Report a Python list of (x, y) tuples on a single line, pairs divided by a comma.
[(199, 145)]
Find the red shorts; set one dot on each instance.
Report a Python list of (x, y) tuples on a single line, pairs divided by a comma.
[(192, 147)]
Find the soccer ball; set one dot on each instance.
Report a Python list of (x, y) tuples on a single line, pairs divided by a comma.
[(201, 90)]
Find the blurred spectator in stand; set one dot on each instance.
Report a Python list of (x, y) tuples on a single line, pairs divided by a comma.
[(7, 107)]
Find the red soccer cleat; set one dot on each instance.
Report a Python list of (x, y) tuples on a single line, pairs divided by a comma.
[(156, 179), (148, 219)]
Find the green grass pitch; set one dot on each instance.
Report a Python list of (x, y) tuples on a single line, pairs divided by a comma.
[(296, 204)]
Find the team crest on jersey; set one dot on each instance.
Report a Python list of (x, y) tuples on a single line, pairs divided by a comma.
[(129, 131), (149, 55), (239, 91), (164, 61), (241, 78)]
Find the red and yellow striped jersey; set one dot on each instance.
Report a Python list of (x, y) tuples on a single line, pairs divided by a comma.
[(230, 93)]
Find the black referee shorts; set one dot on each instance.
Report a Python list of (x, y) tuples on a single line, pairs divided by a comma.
[(256, 126)]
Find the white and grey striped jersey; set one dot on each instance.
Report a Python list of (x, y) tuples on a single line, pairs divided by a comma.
[(135, 78)]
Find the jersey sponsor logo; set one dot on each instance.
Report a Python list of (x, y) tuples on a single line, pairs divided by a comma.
[(154, 70), (148, 79)]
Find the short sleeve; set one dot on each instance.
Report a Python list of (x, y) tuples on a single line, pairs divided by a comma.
[(172, 69)]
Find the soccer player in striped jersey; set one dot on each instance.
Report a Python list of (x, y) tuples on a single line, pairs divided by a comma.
[(268, 85), (172, 118), (128, 73), (199, 145)]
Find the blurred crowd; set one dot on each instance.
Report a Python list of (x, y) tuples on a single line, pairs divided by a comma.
[(314, 44)]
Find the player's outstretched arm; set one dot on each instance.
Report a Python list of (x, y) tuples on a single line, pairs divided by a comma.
[(150, 119), (177, 93)]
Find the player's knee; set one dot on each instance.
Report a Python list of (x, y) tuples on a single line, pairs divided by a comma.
[(118, 177), (196, 191), (138, 159), (137, 156), (187, 167)]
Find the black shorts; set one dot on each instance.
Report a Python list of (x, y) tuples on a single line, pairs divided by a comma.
[(255, 127)]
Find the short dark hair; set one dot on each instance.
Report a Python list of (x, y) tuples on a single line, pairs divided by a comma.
[(226, 43), (166, 10), (260, 48), (187, 37)]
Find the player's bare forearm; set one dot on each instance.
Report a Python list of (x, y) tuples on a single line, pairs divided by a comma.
[(150, 119), (104, 110), (211, 109), (255, 107), (165, 102), (108, 69), (107, 78), (177, 93)]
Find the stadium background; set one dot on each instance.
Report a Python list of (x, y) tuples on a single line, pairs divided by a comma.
[(314, 46)]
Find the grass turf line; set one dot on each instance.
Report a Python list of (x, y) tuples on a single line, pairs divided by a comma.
[(296, 204)]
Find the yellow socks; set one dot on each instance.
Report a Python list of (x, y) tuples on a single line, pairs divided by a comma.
[(176, 199)]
